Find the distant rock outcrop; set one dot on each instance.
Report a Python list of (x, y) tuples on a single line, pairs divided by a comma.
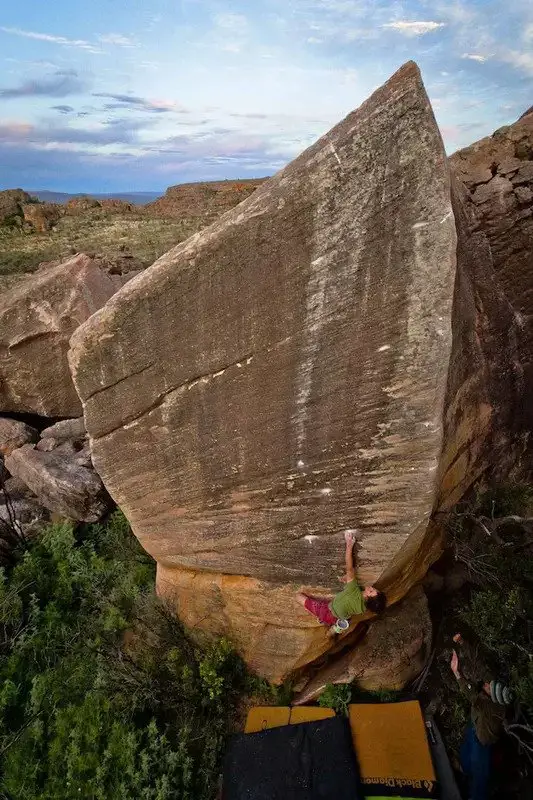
[(207, 200), (83, 204), (42, 216), (333, 354), (37, 318), (11, 207), (79, 205), (113, 206)]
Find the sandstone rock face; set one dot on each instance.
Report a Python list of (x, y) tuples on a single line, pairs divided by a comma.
[(14, 434), (37, 318), (391, 655), (293, 372), (61, 485), (65, 429), (498, 172)]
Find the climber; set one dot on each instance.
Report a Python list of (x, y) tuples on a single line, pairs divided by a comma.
[(351, 602), (488, 701)]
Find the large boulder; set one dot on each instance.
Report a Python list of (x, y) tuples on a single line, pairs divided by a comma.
[(37, 318), (498, 173), (60, 483), (293, 372)]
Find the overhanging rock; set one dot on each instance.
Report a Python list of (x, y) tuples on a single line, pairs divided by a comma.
[(282, 376)]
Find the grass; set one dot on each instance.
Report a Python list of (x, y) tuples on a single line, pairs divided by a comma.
[(97, 232)]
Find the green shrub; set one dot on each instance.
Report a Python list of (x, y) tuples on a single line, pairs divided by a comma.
[(102, 694), (504, 500), (337, 696), (500, 606)]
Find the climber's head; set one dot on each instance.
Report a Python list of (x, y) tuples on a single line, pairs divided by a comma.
[(375, 600)]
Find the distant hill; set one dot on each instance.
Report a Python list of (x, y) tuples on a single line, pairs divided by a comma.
[(205, 200), (137, 198)]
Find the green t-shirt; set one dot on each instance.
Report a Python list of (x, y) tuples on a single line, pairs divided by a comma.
[(349, 602)]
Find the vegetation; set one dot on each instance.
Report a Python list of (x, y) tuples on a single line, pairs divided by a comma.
[(491, 541), (95, 231), (102, 694), (337, 696), (500, 606)]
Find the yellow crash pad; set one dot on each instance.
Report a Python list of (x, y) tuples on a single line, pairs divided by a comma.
[(392, 749), (264, 717), (309, 714)]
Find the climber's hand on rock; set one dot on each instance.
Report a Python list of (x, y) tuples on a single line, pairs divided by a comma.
[(349, 538)]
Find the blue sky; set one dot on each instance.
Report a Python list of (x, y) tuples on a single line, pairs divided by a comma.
[(116, 95)]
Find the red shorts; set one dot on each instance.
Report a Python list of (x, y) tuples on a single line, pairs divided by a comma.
[(321, 610)]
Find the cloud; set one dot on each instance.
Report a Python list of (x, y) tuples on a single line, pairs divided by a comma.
[(133, 101), (237, 23), (95, 172), (62, 84), (117, 39), (229, 34), (517, 59), (414, 28), (82, 44), (118, 132), (251, 115), (475, 57), (68, 156), (528, 33), (63, 109)]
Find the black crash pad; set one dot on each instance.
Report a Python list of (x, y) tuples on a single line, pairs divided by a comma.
[(311, 761)]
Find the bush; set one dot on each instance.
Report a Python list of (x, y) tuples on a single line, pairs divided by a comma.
[(102, 694), (337, 696), (504, 500), (500, 606)]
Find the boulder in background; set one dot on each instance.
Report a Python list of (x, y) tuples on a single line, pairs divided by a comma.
[(60, 484), (37, 318)]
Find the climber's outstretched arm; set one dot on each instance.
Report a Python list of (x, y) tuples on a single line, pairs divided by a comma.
[(349, 559)]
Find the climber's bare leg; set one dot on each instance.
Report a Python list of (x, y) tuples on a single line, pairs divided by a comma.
[(301, 598)]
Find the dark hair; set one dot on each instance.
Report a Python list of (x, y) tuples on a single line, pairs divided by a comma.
[(376, 604)]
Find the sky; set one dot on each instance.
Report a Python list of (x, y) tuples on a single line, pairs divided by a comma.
[(137, 95)]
